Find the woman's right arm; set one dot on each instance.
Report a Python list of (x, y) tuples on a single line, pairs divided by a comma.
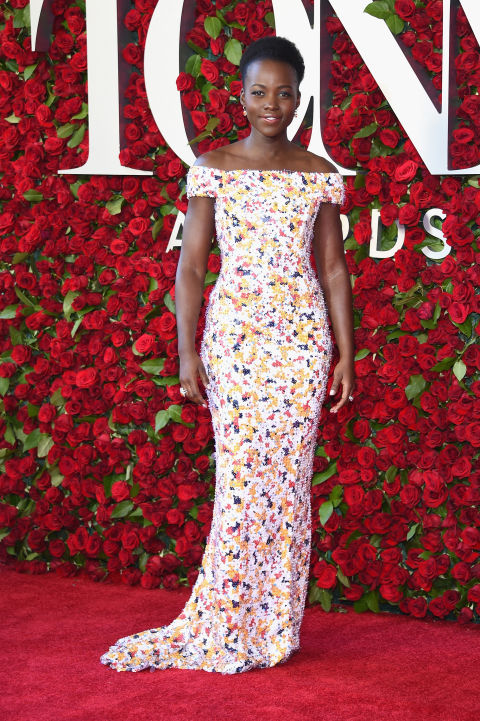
[(198, 231)]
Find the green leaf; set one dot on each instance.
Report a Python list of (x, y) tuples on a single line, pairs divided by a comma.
[(415, 387), (169, 302), (74, 188), (270, 19), (379, 9), (21, 18), (15, 336), (9, 312), (154, 366), (56, 399), (459, 370), (466, 327), (114, 206), (157, 226), (166, 380), (391, 474), (13, 119), (362, 354), (44, 446), (366, 131), (324, 475), (33, 196), (65, 131), (77, 137), (142, 561), (336, 495), (233, 51), (76, 326), (34, 439), (161, 420), (122, 509), (67, 303), (325, 599), (210, 277), (325, 511), (82, 114), (9, 436), (193, 65), (395, 24), (213, 26), (24, 298), (443, 365), (372, 600), (4, 384), (32, 410), (314, 594), (411, 531), (29, 70), (12, 66), (175, 413), (342, 578)]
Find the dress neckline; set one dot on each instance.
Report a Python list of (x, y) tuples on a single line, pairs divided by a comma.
[(261, 170)]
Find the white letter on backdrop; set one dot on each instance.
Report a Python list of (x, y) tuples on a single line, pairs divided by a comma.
[(437, 233), (161, 51), (292, 22), (427, 128), (375, 251), (103, 93), (161, 69)]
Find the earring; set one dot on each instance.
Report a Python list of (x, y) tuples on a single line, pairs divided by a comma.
[(244, 111), (295, 114)]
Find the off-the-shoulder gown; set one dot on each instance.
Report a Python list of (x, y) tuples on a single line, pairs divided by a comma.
[(266, 349)]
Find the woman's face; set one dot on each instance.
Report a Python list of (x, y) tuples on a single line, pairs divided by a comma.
[(270, 96)]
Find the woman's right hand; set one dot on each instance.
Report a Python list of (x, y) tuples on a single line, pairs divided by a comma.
[(191, 366)]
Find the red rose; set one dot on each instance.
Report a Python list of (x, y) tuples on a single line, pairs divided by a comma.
[(145, 343), (389, 137), (21, 354), (458, 312), (166, 325), (241, 13), (209, 70), (325, 573), (406, 171), (199, 119), (149, 581), (56, 548), (137, 226), (120, 491), (132, 54), (185, 81), (170, 581), (86, 378), (409, 215)]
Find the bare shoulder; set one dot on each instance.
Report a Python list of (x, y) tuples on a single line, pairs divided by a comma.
[(221, 158), (208, 160), (317, 164)]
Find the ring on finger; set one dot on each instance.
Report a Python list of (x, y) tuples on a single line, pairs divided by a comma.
[(350, 398), (183, 391)]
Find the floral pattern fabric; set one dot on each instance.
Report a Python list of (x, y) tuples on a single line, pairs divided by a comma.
[(267, 350)]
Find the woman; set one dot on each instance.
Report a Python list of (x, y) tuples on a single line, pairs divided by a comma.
[(264, 363)]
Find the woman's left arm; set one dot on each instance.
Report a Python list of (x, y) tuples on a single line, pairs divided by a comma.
[(335, 280)]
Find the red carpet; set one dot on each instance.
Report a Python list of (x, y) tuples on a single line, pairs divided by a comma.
[(351, 667)]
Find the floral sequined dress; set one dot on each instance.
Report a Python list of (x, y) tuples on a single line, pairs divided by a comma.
[(266, 349)]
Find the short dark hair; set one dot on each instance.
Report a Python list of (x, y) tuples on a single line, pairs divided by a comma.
[(273, 48)]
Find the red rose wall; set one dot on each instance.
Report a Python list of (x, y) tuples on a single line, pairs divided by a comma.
[(104, 470)]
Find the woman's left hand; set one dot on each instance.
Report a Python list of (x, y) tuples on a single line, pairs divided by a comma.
[(343, 375)]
